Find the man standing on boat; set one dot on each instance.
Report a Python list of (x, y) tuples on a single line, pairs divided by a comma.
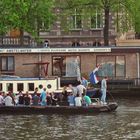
[(80, 88), (103, 89), (43, 97)]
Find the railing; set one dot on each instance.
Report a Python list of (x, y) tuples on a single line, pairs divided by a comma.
[(137, 81), (121, 84), (8, 41)]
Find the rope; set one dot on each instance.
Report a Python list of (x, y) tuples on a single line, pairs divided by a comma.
[(111, 96)]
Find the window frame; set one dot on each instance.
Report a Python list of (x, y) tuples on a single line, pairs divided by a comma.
[(7, 63), (31, 86), (65, 56), (19, 85), (75, 20), (115, 56), (1, 87), (98, 22)]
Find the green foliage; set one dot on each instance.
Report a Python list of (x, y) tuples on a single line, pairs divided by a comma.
[(126, 12), (26, 15), (133, 8)]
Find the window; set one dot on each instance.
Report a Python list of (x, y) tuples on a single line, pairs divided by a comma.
[(120, 66), (112, 66), (20, 87), (96, 20), (59, 65), (7, 63), (0, 86), (9, 87), (76, 20), (31, 86), (68, 66), (45, 26)]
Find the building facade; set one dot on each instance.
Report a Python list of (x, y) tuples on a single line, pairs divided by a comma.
[(117, 62), (78, 29)]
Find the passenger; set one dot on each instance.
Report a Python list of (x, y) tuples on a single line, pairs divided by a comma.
[(1, 99), (80, 89), (49, 99), (16, 99), (78, 100), (74, 89), (71, 98), (86, 100), (4, 94), (65, 93), (54, 99), (60, 96), (30, 97), (103, 90), (21, 98), (43, 97), (8, 100), (12, 95), (35, 99), (27, 99), (36, 91)]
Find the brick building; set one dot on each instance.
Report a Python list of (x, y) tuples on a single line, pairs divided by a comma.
[(117, 62), (64, 57), (78, 29)]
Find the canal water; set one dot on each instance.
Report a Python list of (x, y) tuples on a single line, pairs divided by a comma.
[(123, 124)]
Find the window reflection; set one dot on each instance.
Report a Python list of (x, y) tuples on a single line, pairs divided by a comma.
[(66, 66), (1, 88), (4, 63), (7, 63), (108, 66), (9, 87), (77, 19), (120, 69), (112, 66), (59, 65)]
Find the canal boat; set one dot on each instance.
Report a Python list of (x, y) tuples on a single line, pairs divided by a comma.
[(25, 110), (16, 84)]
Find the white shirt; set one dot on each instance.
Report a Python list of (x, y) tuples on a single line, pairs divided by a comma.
[(103, 84), (8, 101), (1, 99), (78, 101), (80, 89)]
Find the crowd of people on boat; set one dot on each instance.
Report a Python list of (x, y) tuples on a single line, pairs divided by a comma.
[(44, 98), (70, 95)]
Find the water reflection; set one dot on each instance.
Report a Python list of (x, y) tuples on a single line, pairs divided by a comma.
[(124, 124)]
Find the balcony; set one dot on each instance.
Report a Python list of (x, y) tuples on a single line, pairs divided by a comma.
[(59, 42), (8, 41)]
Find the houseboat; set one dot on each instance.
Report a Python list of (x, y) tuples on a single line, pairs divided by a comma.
[(16, 84)]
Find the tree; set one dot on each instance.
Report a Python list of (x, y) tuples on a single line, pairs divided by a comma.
[(128, 9), (133, 10), (25, 15), (90, 6)]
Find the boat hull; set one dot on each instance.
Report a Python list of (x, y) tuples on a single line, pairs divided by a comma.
[(57, 110)]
